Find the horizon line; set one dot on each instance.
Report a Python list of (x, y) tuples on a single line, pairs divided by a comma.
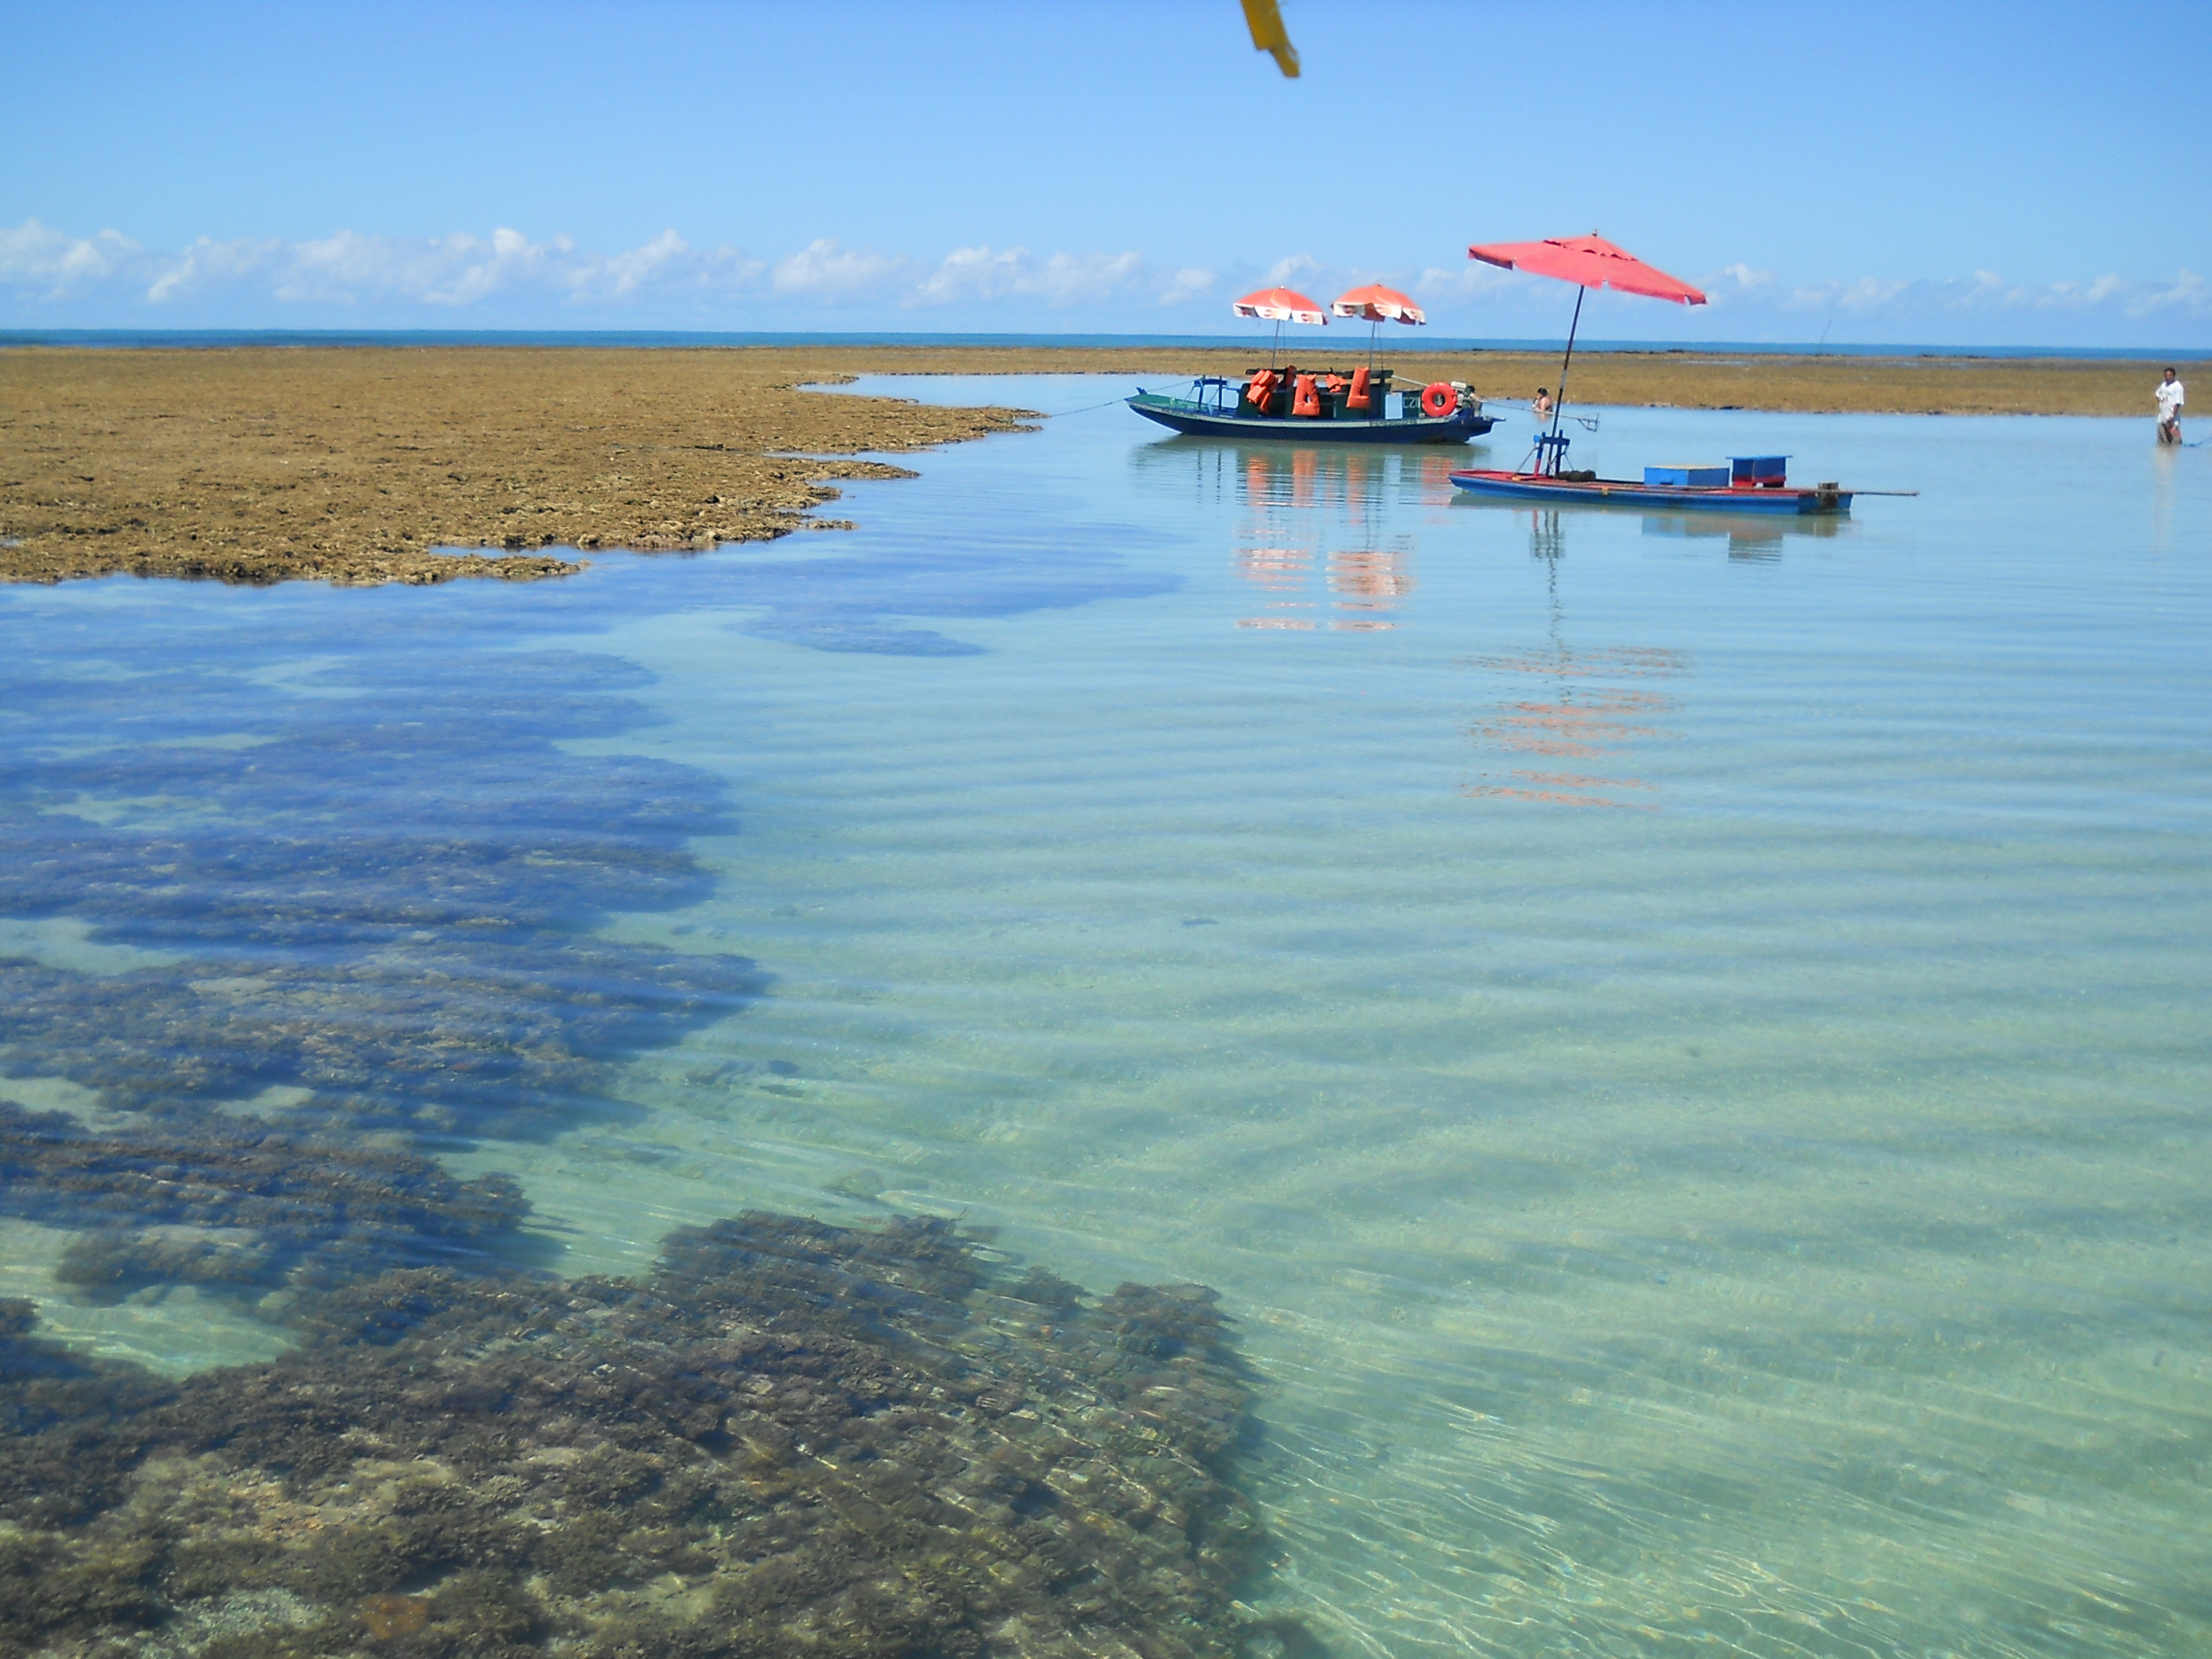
[(648, 338)]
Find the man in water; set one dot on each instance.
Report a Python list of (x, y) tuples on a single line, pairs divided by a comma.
[(1543, 404), (2169, 409)]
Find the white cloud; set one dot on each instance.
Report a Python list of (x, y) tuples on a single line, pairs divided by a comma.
[(2188, 292), (2188, 295), (1065, 279), (971, 273), (347, 268), (458, 271), (823, 270), (1071, 278), (1474, 280), (510, 278), (37, 257), (212, 263), (1868, 294), (626, 273), (1188, 284), (479, 269), (1735, 284)]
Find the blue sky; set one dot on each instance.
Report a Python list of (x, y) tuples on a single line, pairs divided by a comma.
[(1952, 174)]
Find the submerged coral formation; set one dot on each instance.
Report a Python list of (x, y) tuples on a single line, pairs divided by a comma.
[(277, 950), (351, 989), (791, 1438), (237, 1208)]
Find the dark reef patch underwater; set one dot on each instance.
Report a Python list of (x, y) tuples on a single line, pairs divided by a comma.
[(306, 889), (792, 1438), (372, 920)]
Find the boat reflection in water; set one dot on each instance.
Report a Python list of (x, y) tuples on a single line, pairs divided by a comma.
[(1753, 537), (1756, 539), (1314, 531)]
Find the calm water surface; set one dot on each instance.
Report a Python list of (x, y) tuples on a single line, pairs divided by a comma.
[(1682, 1045)]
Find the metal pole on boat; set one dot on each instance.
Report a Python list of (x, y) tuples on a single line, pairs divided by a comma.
[(1555, 445)]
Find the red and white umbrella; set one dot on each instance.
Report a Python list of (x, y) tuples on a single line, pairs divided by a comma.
[(1280, 305), (1378, 304)]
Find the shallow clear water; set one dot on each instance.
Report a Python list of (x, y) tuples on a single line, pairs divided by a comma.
[(1682, 1046)]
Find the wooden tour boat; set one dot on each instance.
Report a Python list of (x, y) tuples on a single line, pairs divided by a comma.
[(1325, 408), (1307, 406)]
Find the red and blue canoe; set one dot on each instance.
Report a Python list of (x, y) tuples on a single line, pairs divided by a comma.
[(1764, 498)]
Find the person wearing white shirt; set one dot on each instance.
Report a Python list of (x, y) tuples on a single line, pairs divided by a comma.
[(2169, 400)]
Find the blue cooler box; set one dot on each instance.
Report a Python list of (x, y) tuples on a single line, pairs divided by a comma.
[(1762, 472), (1709, 477)]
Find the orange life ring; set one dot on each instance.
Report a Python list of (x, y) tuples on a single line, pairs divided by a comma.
[(1308, 400), (1438, 398)]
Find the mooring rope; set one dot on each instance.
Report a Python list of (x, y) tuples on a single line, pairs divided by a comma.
[(1061, 414)]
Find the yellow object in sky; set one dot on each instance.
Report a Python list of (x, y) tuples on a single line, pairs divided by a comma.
[(1268, 35)]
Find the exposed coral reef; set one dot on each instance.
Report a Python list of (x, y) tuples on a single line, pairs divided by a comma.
[(353, 465), (791, 1438)]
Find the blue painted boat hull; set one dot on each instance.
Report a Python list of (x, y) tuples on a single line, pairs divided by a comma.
[(1622, 492), (1180, 415)]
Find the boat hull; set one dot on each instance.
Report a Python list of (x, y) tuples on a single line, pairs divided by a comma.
[(1179, 415), (1622, 492)]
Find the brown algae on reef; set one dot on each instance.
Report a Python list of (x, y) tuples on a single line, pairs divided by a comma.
[(361, 466), (791, 1437)]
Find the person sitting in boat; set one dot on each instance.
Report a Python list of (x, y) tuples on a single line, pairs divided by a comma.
[(1543, 404), (2170, 399)]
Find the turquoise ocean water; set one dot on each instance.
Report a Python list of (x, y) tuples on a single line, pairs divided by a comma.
[(1682, 1046)]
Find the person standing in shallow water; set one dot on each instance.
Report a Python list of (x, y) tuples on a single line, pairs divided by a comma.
[(2170, 399), (1543, 404)]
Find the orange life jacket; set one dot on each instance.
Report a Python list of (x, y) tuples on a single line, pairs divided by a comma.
[(1308, 401), (1360, 397)]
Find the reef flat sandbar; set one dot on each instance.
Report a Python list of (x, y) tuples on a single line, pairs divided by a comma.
[(358, 464), (354, 466), (1805, 383)]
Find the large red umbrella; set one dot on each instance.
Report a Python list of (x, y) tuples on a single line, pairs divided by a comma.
[(1587, 261), (1280, 305)]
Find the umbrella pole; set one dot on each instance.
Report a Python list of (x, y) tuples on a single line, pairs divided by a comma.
[(1276, 350), (1553, 444)]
